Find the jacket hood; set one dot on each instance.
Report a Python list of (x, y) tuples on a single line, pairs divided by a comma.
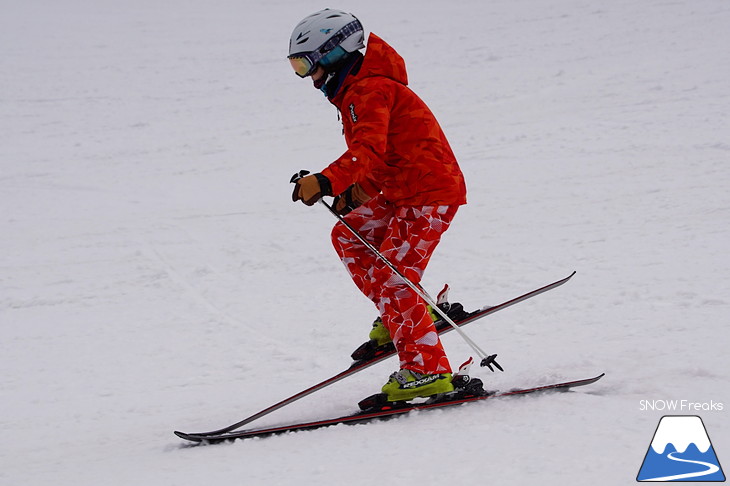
[(380, 60)]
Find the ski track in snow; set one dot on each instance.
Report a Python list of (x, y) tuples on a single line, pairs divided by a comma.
[(154, 274)]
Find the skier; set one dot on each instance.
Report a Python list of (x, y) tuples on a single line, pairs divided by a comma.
[(398, 184)]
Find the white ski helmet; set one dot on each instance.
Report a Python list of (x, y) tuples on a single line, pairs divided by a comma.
[(325, 37)]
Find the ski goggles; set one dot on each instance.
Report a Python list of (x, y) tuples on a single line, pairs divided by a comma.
[(305, 63)]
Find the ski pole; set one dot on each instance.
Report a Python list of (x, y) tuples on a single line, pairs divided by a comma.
[(486, 360)]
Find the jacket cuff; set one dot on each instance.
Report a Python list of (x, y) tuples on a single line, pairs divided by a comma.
[(324, 184), (335, 186)]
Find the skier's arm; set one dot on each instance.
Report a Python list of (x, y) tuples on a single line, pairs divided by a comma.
[(366, 118)]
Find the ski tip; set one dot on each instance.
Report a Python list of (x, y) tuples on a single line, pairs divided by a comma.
[(564, 280), (592, 380), (189, 437)]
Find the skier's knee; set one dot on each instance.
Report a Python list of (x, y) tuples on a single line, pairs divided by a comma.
[(340, 237)]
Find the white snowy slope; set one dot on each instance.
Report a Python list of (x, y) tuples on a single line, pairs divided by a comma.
[(154, 274)]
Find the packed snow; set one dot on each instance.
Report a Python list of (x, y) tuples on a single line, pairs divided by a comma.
[(155, 275)]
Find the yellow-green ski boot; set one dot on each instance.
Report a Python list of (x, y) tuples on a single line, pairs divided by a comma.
[(406, 385), (379, 333)]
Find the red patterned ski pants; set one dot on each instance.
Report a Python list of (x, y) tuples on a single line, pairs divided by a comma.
[(406, 236)]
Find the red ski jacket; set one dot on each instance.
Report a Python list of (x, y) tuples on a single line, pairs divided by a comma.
[(395, 145)]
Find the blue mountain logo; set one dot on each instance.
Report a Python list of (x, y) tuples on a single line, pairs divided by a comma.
[(681, 451)]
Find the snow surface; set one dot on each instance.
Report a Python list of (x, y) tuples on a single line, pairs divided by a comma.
[(154, 274)]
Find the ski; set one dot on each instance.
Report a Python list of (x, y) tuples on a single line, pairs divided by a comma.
[(367, 355), (383, 412)]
